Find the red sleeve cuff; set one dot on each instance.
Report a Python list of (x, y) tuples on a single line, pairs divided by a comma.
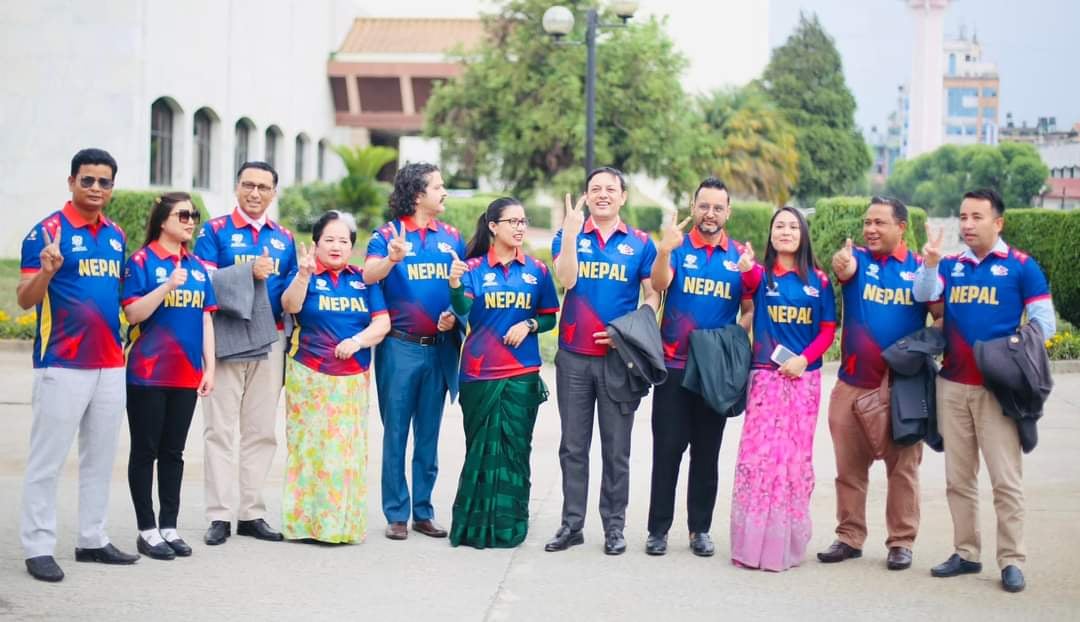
[(125, 302), (30, 271), (548, 311), (378, 313), (210, 309), (1037, 298)]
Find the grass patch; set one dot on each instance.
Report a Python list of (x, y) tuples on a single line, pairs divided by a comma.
[(9, 280)]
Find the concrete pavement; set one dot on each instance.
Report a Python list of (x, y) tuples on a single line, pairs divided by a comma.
[(427, 579)]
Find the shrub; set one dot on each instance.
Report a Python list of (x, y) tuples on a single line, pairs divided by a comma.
[(1063, 346), (463, 212), (131, 209), (1050, 237), (20, 327), (539, 216), (648, 218), (300, 206), (749, 222)]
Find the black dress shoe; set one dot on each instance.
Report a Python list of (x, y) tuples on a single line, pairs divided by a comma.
[(218, 532), (1012, 580), (44, 568), (107, 554), (656, 544), (181, 548), (564, 539), (161, 550), (429, 528), (899, 558), (955, 565), (701, 544), (838, 552), (614, 542), (258, 529)]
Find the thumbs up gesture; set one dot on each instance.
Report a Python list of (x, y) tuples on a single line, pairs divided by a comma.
[(843, 262), (177, 278), (746, 259), (932, 249), (264, 265), (457, 269)]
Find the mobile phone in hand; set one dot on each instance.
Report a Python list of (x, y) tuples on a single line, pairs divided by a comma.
[(781, 354)]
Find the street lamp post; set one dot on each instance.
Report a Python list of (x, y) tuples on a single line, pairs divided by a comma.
[(558, 22)]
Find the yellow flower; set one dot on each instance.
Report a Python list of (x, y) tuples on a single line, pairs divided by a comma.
[(4, 317), (26, 319)]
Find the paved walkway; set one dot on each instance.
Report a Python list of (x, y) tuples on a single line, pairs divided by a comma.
[(426, 579)]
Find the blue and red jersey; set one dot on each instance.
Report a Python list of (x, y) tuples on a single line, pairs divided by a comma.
[(165, 349), (608, 284), (78, 320), (228, 240), (416, 289), (504, 295), (706, 292), (791, 313), (336, 307), (879, 309), (985, 300)]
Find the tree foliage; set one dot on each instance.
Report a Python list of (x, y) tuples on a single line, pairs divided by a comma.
[(805, 79), (360, 192), (939, 179)]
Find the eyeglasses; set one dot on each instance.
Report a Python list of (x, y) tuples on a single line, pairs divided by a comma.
[(515, 223), (248, 186), (88, 182), (186, 216)]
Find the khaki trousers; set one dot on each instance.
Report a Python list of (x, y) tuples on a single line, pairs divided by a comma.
[(971, 420), (853, 460), (245, 399)]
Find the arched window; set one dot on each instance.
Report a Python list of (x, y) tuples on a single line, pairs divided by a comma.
[(301, 152), (244, 129), (202, 138), (320, 162), (273, 139), (162, 112)]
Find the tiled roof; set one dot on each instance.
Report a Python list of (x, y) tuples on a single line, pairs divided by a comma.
[(370, 35)]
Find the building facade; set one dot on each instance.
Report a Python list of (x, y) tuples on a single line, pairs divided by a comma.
[(972, 91)]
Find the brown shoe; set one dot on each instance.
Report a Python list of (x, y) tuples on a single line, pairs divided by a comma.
[(899, 558), (397, 531), (838, 552), (429, 528)]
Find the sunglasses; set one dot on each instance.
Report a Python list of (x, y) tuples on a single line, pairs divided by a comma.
[(88, 182), (186, 216)]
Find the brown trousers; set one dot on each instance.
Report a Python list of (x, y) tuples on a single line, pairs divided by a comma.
[(971, 421), (853, 460)]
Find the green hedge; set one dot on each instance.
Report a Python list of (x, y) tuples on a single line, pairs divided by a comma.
[(1050, 236), (131, 209), (463, 212), (300, 206), (539, 216), (648, 218)]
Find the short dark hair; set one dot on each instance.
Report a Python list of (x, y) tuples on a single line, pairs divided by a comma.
[(611, 170), (988, 194), (259, 164), (163, 206), (410, 182), (899, 210), (327, 218), (92, 156), (714, 183)]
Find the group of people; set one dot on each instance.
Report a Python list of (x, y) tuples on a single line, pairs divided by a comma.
[(250, 310)]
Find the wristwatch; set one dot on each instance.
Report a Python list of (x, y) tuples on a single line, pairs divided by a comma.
[(532, 324)]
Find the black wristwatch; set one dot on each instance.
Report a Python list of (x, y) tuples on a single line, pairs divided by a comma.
[(532, 324)]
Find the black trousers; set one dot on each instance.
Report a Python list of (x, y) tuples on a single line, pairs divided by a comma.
[(681, 418), (159, 419)]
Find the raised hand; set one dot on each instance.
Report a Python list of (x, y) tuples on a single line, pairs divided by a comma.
[(517, 333), (843, 260), (673, 235), (264, 265), (51, 257), (305, 258), (177, 278), (932, 249), (398, 245), (575, 217), (746, 259), (457, 269)]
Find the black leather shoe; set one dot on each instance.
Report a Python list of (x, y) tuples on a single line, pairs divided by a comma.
[(1012, 580), (218, 532), (564, 539), (258, 529), (955, 565), (614, 542), (181, 548), (701, 544), (161, 550), (107, 554), (899, 558), (44, 568), (838, 552), (656, 544)]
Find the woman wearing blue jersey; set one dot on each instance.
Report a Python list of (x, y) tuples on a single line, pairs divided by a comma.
[(508, 298), (794, 324)]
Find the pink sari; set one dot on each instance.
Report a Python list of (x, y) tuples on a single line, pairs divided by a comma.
[(774, 475)]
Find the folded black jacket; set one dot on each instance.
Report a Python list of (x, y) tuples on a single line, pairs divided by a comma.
[(913, 398), (1016, 369), (718, 368), (636, 362)]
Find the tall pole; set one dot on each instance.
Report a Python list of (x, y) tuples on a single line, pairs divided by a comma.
[(590, 90)]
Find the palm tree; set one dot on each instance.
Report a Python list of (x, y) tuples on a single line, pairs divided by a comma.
[(360, 191)]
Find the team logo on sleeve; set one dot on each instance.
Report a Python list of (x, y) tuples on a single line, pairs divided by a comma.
[(321, 284), (161, 274), (528, 278), (958, 269), (811, 291), (907, 275), (585, 245), (489, 280), (445, 248), (117, 246), (77, 245), (872, 271), (238, 240), (999, 270), (198, 275), (625, 249), (278, 244)]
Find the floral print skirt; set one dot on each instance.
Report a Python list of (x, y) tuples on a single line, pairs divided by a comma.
[(774, 475), (325, 496)]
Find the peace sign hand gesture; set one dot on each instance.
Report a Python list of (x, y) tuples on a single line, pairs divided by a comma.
[(746, 259), (305, 259), (932, 248), (575, 217), (398, 245), (457, 269), (51, 257), (673, 235)]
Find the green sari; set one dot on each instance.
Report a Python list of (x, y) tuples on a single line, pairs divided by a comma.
[(491, 509)]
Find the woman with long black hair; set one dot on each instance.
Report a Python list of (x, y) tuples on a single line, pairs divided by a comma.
[(794, 324), (508, 298)]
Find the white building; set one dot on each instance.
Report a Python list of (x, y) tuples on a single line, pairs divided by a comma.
[(928, 66), (177, 92)]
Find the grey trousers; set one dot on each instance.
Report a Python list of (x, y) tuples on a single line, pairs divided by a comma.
[(579, 383), (89, 402)]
